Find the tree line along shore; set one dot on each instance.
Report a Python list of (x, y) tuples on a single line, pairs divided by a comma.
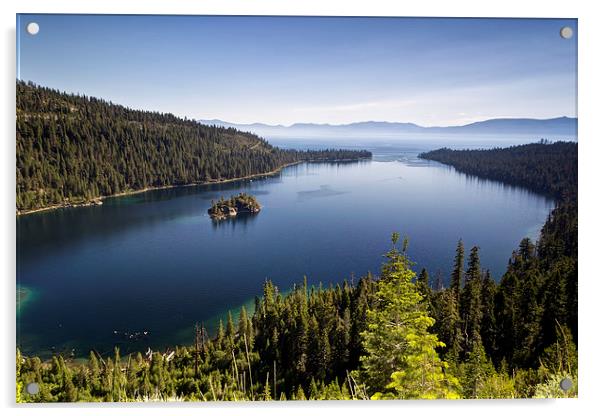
[(394, 335), (74, 149)]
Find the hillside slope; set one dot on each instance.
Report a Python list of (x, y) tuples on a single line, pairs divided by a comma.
[(72, 149)]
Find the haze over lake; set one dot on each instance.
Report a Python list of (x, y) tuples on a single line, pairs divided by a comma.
[(155, 261)]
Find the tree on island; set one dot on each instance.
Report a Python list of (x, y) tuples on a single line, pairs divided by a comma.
[(241, 203)]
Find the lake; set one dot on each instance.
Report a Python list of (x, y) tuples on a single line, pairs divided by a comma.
[(156, 262)]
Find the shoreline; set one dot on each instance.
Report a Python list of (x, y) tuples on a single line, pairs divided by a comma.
[(98, 200), (95, 201), (152, 188)]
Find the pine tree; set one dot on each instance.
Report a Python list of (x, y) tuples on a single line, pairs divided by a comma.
[(401, 354), (506, 310), (94, 373), (230, 327), (471, 313), (117, 379), (267, 393), (315, 350), (488, 324), (458, 271), (340, 353), (424, 288), (66, 381), (314, 391), (300, 394), (157, 374), (560, 357), (475, 372), (243, 322), (447, 325), (220, 334)]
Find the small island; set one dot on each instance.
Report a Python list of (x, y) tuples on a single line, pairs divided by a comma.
[(238, 204)]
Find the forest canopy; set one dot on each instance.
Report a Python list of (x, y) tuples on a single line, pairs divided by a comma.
[(395, 335), (73, 149), (545, 167)]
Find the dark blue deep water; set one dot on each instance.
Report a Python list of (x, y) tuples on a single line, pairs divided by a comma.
[(156, 262)]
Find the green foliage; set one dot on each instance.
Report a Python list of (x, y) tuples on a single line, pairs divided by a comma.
[(447, 324), (471, 313), (538, 292), (424, 288), (561, 356), (488, 322), (458, 271), (380, 338), (496, 385), (241, 203), (555, 173), (475, 372), (550, 389), (401, 361), (73, 149)]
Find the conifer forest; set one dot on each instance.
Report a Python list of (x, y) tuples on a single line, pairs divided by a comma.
[(396, 334)]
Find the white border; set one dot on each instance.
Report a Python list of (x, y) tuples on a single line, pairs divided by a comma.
[(589, 186)]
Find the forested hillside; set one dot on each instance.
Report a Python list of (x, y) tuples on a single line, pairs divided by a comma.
[(548, 168), (536, 300), (388, 336), (73, 149)]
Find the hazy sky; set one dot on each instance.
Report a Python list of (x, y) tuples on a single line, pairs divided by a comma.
[(323, 70)]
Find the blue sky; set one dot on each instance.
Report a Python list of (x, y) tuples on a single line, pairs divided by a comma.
[(282, 70)]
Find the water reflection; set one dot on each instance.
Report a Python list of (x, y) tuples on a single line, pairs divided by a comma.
[(242, 219)]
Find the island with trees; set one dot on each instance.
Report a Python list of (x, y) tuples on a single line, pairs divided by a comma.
[(242, 203)]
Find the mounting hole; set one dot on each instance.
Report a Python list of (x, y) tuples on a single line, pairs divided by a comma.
[(566, 384), (566, 32), (33, 28), (32, 388)]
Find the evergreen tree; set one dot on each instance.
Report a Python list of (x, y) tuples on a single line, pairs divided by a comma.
[(471, 313), (94, 369), (267, 393), (243, 322), (447, 325), (300, 394), (401, 356), (230, 328), (488, 323), (117, 379), (475, 372), (220, 334), (424, 288), (458, 270)]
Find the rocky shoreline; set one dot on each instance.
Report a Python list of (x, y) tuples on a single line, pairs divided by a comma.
[(238, 204)]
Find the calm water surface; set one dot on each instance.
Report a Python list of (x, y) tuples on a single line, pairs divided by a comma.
[(156, 261)]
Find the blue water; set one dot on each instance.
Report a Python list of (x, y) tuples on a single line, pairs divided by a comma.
[(156, 262)]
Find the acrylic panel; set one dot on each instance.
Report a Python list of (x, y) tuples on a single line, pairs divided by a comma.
[(293, 208)]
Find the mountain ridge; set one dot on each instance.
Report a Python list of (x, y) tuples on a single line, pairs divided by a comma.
[(558, 126)]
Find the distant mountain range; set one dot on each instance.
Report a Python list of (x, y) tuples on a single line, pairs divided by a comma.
[(561, 127)]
